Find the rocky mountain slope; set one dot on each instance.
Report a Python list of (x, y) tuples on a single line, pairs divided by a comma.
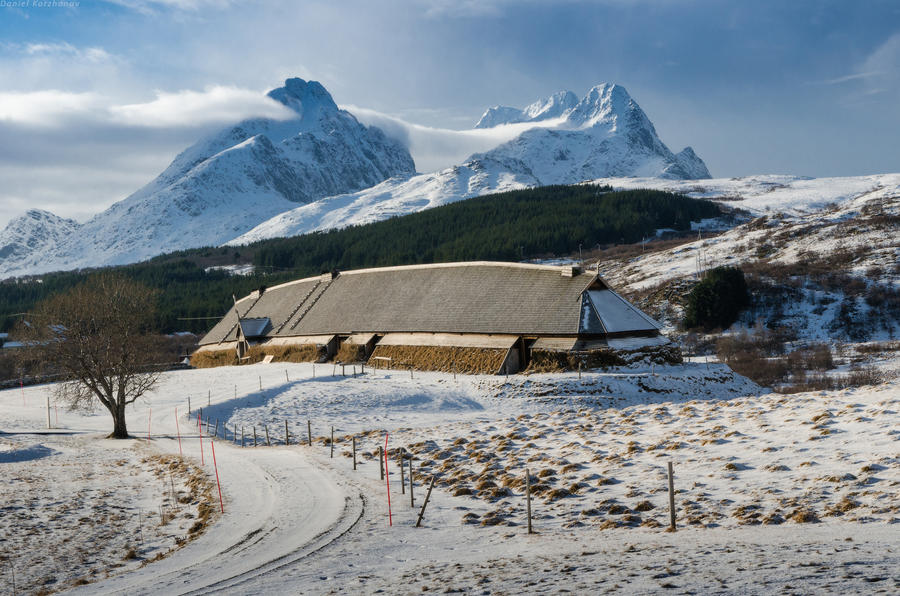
[(606, 133), (220, 187), (32, 233)]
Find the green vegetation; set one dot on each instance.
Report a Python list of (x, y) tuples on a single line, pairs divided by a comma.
[(551, 221), (541, 222), (717, 300)]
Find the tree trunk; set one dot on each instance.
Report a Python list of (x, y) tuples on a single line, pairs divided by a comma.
[(119, 429)]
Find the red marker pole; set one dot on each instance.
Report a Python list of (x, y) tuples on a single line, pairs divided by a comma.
[(213, 446), (200, 431), (178, 430), (387, 477)]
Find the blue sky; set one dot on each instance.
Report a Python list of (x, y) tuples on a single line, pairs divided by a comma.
[(96, 98)]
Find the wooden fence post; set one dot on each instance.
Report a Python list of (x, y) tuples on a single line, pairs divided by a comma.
[(216, 429), (287, 379), (671, 498), (354, 452), (260, 382), (189, 405), (254, 436), (242, 435), (287, 436), (425, 503), (268, 443), (402, 475), (381, 460), (309, 433), (528, 499), (332, 441)]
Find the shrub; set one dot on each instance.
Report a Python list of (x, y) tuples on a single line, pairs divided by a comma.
[(717, 300)]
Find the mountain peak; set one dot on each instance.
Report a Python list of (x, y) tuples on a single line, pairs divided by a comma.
[(303, 96), (553, 106), (606, 103)]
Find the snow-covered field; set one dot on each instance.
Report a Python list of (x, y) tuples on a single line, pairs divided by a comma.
[(793, 493)]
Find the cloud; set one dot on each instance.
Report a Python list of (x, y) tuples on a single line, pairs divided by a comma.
[(214, 105), (151, 7), (186, 108), (851, 77), (438, 148), (47, 108), (882, 67), (91, 54)]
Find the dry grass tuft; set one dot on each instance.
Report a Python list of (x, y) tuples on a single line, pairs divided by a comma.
[(644, 506), (804, 516)]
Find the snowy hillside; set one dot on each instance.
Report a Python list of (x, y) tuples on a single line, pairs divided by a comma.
[(604, 134), (223, 186), (767, 194), (822, 258)]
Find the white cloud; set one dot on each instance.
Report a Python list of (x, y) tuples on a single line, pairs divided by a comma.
[(883, 66), (438, 148), (852, 77), (152, 6), (91, 54), (47, 108), (186, 108), (215, 104)]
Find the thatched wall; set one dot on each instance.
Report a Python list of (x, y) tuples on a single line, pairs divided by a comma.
[(351, 353), (442, 358), (557, 360), (295, 353)]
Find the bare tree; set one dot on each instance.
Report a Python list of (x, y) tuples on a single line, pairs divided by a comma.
[(97, 336)]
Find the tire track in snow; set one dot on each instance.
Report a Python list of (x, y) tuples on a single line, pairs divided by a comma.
[(353, 513)]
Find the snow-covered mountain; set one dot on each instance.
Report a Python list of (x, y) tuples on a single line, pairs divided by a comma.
[(220, 187), (34, 232), (244, 183), (606, 133)]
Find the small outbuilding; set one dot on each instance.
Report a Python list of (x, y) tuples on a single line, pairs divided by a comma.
[(468, 317)]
